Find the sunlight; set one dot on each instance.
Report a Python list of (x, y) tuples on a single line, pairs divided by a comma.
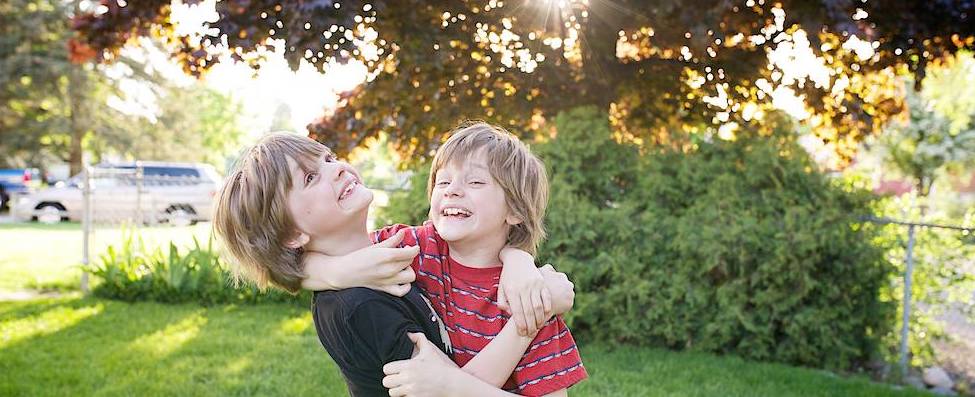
[(45, 323), (167, 340), (295, 325), (307, 93)]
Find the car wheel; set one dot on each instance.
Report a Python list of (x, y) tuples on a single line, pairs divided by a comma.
[(180, 216), (49, 213)]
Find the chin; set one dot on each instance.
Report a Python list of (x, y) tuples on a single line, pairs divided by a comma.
[(450, 233), (358, 202)]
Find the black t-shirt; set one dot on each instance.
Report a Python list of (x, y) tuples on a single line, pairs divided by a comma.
[(364, 329)]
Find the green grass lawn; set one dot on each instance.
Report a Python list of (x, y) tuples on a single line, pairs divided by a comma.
[(38, 256), (86, 346)]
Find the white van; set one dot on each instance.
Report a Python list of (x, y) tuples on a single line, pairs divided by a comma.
[(144, 192)]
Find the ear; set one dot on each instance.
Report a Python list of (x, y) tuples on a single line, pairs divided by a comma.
[(298, 241), (512, 220)]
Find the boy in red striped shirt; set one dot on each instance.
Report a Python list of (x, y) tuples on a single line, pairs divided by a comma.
[(487, 191)]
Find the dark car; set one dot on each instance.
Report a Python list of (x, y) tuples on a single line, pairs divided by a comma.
[(15, 181)]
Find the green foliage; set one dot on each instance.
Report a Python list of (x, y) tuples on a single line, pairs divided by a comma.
[(733, 247), (929, 139), (435, 62), (131, 272), (943, 277), (410, 205)]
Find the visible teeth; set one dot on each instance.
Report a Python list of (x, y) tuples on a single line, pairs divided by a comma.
[(349, 189), (455, 211)]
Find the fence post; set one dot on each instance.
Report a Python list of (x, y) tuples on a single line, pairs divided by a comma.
[(86, 225), (905, 327)]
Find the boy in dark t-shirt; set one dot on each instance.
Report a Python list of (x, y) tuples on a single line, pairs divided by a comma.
[(364, 329)]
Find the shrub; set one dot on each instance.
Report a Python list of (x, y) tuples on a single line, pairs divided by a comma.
[(131, 272), (732, 247)]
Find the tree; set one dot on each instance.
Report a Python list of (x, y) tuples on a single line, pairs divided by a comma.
[(51, 106), (54, 108), (662, 71), (936, 130)]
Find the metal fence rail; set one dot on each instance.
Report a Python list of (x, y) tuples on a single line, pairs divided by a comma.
[(135, 196), (908, 274)]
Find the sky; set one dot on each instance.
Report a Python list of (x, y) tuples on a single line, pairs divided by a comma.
[(308, 92)]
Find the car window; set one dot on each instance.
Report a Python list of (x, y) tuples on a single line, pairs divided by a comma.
[(183, 172)]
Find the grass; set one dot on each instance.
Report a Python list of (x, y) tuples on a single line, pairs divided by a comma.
[(86, 346), (38, 256)]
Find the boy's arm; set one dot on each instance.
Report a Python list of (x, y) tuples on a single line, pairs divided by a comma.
[(522, 291), (495, 362), (532, 295), (381, 266), (430, 373)]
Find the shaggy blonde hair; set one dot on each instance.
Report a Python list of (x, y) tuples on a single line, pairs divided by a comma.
[(519, 173), (251, 215)]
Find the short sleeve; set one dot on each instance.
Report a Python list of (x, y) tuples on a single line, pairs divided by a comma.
[(550, 363), (389, 231), (382, 328)]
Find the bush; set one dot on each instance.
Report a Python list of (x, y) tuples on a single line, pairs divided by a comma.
[(131, 272), (732, 247)]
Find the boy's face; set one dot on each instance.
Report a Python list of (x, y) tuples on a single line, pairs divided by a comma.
[(328, 199), (468, 205)]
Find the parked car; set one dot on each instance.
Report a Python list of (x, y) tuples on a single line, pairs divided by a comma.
[(14, 181), (147, 192)]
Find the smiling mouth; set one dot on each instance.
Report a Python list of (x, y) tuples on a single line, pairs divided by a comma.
[(454, 212), (349, 189)]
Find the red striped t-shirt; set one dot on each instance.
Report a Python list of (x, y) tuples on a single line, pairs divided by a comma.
[(465, 299)]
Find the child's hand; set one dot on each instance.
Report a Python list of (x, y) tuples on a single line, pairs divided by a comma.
[(563, 290), (428, 373), (522, 291), (381, 266)]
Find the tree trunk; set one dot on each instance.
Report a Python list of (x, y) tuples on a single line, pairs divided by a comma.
[(75, 94)]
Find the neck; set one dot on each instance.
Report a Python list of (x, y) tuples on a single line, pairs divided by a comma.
[(341, 242), (482, 253)]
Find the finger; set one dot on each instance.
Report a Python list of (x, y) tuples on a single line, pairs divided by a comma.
[(538, 308), (393, 241), (405, 276), (526, 304), (399, 254), (418, 338), (518, 314), (395, 367), (503, 301), (394, 380), (547, 302), (391, 261), (398, 391), (396, 289)]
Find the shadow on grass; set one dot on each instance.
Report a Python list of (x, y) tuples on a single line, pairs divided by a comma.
[(154, 349)]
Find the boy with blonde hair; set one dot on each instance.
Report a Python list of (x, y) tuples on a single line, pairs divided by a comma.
[(487, 191), (288, 197)]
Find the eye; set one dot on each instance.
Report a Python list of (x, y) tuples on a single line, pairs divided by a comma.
[(330, 158), (477, 183), (309, 177), (442, 183)]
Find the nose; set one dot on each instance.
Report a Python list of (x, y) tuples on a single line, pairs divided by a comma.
[(454, 189), (340, 170)]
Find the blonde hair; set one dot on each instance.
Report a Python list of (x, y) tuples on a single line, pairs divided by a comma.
[(251, 215), (519, 173)]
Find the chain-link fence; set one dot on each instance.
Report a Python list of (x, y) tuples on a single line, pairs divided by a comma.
[(132, 196), (913, 228)]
